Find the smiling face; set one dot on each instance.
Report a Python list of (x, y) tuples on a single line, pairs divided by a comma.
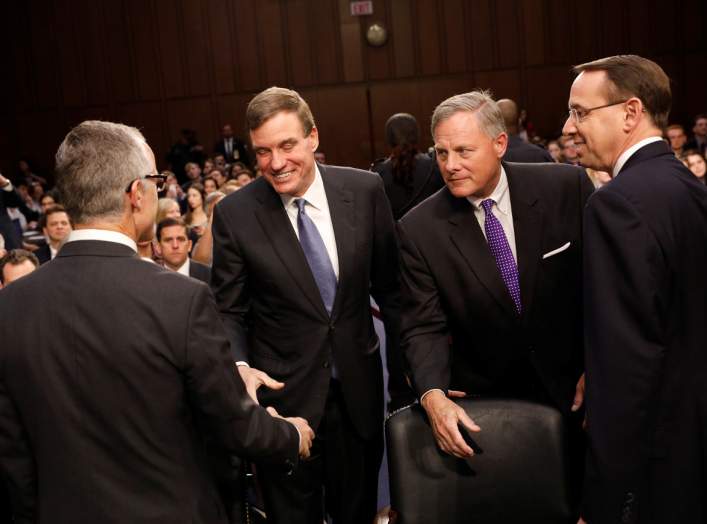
[(598, 137), (285, 155), (470, 160), (696, 164)]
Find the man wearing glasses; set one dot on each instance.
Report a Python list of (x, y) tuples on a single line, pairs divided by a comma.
[(103, 406), (645, 306)]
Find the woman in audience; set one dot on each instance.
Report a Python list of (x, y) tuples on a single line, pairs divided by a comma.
[(409, 175), (167, 208), (695, 162), (195, 217), (553, 147), (219, 176), (210, 185)]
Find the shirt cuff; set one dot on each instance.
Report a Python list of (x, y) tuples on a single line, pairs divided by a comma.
[(8, 187), (430, 391), (240, 363)]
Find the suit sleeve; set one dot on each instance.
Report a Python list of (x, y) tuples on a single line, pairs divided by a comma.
[(229, 283), (219, 395), (624, 290), (385, 288), (11, 198), (18, 468), (424, 332)]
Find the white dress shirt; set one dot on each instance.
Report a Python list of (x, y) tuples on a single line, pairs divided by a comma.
[(103, 235), (501, 210), (184, 268), (623, 158), (317, 209)]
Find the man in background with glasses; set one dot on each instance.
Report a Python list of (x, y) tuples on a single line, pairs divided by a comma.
[(106, 396), (645, 305)]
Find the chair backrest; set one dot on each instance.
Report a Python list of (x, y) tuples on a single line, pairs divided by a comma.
[(520, 475)]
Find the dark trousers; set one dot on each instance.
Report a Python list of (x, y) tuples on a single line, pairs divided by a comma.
[(339, 479)]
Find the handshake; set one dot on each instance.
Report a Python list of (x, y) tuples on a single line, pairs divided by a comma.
[(254, 379)]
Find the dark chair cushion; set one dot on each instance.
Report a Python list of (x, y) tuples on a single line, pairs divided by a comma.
[(520, 475)]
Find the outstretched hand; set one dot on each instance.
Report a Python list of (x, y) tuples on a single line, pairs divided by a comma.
[(306, 434), (254, 378)]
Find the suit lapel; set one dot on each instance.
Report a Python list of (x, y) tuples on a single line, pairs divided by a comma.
[(466, 235), (273, 218), (341, 210), (528, 228)]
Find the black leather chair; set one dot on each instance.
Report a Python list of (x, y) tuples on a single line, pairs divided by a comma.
[(517, 475)]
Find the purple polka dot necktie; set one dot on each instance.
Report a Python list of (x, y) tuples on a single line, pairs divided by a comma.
[(316, 254), (501, 251)]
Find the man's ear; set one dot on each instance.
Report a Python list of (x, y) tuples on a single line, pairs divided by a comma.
[(189, 244), (633, 113), (136, 195), (500, 143), (313, 139), (158, 247)]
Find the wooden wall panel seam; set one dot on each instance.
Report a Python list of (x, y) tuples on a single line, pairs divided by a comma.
[(164, 134)]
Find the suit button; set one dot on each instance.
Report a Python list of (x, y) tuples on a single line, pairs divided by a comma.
[(326, 364), (332, 327)]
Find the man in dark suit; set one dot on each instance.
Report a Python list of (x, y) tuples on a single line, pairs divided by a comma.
[(491, 275), (232, 149), (9, 198), (296, 254), (517, 149), (645, 304), (103, 408), (174, 246), (56, 227)]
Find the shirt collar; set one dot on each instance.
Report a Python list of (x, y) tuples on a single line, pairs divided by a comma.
[(498, 195), (315, 194), (184, 268), (102, 235), (630, 151)]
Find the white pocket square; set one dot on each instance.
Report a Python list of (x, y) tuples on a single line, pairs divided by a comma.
[(556, 251)]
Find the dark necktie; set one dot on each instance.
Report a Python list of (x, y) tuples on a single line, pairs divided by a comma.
[(317, 256), (501, 251)]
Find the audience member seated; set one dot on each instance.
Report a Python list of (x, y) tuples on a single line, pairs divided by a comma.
[(219, 176), (695, 162), (699, 139), (569, 151), (9, 198), (193, 173), (46, 201), (518, 150), (677, 138), (187, 149), (167, 208), (195, 217), (26, 175), (210, 185), (553, 147), (56, 227), (244, 178), (173, 245), (16, 264)]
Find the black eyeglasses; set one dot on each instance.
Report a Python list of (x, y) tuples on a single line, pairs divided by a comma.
[(158, 179), (580, 114)]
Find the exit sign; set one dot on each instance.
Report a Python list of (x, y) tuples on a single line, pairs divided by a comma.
[(362, 8)]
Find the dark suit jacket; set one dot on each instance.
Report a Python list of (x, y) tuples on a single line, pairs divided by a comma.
[(520, 151), (238, 146), (271, 306), (43, 254), (451, 287), (199, 271), (13, 239), (646, 331), (426, 180), (103, 398)]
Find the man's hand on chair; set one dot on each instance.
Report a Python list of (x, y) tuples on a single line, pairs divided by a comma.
[(445, 416)]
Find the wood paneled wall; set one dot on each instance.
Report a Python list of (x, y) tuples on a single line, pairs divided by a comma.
[(162, 65)]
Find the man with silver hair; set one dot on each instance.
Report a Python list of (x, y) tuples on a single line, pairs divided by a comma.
[(105, 397), (491, 275)]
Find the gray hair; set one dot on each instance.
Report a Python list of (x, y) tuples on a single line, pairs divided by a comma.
[(488, 114), (95, 163)]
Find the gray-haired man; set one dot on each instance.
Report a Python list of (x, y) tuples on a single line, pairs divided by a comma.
[(491, 274)]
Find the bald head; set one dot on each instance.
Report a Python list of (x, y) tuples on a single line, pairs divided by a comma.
[(509, 110)]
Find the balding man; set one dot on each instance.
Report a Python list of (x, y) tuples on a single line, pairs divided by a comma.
[(104, 403), (518, 150)]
